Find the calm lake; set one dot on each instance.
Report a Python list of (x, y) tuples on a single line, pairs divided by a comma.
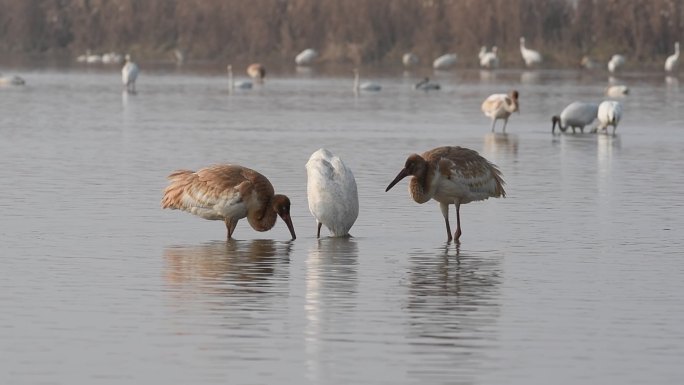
[(577, 276)]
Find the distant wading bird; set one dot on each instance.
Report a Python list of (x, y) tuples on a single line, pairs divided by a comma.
[(129, 73), (240, 84), (426, 85), (257, 72), (501, 106), (365, 86), (609, 114), (575, 115), (445, 61), (306, 57), (410, 59), (672, 61), (616, 62), (331, 192), (616, 91), (228, 193), (451, 175), (530, 56), (489, 60)]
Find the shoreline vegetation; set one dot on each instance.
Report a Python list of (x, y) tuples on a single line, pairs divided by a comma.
[(359, 32)]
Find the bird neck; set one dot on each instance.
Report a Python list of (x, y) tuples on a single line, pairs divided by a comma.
[(263, 220), (421, 186)]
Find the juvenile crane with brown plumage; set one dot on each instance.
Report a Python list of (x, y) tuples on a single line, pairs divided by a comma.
[(451, 175), (228, 192)]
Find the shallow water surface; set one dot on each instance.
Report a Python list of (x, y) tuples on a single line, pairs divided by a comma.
[(575, 277)]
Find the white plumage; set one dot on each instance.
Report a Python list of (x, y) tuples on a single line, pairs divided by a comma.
[(332, 194), (530, 56), (445, 61), (129, 74), (672, 61), (365, 86), (575, 115), (616, 62), (617, 90), (609, 114), (501, 106), (410, 59), (12, 80), (489, 59), (306, 57)]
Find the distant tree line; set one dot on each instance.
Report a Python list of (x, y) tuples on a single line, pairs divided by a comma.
[(357, 31)]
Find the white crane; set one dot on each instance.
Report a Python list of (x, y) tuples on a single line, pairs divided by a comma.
[(129, 74), (489, 59), (672, 61), (575, 115), (616, 90), (445, 61), (616, 62), (609, 114), (365, 86), (306, 57), (410, 59), (331, 192), (530, 56)]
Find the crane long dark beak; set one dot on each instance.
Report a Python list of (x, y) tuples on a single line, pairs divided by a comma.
[(402, 174), (288, 221)]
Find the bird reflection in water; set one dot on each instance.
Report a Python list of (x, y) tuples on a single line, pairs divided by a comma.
[(226, 267), (496, 143), (453, 300), (331, 288)]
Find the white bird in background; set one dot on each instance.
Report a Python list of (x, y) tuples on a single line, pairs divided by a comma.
[(575, 115), (256, 71), (501, 106), (530, 56), (228, 192), (12, 81), (306, 57), (616, 91), (410, 60), (240, 84), (483, 51), (445, 61), (426, 85), (616, 62), (672, 61), (451, 175), (129, 74), (365, 86), (609, 114), (331, 192), (490, 59)]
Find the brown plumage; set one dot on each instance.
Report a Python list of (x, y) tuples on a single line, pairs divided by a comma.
[(256, 71), (451, 175), (229, 193)]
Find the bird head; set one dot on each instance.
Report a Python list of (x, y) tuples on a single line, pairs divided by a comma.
[(555, 120), (514, 96), (281, 205), (415, 164)]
